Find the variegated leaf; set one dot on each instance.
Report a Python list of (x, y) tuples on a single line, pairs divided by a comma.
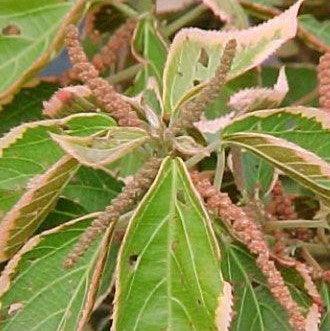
[(229, 11), (302, 165), (98, 152), (195, 54), (36, 293), (169, 261), (34, 205), (28, 150), (260, 98)]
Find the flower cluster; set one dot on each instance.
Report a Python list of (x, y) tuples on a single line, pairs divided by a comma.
[(324, 81)]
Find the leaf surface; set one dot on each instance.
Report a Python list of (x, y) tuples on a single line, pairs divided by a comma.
[(302, 165), (169, 261), (99, 151), (38, 28), (195, 54), (47, 296)]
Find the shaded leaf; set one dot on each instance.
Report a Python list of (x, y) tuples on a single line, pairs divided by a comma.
[(34, 205), (321, 30), (229, 11), (98, 151), (25, 107), (195, 54), (40, 26), (92, 189), (169, 261), (50, 297)]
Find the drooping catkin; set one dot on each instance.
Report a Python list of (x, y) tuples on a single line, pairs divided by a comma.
[(192, 110), (131, 193), (323, 70), (103, 91), (118, 40), (248, 231)]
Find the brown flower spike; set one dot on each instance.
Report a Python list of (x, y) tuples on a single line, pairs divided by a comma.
[(103, 91), (324, 81), (252, 237), (131, 193)]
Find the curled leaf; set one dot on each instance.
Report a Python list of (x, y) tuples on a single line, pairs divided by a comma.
[(260, 98), (188, 146), (214, 126)]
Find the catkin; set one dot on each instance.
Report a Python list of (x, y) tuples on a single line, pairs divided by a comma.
[(103, 91), (323, 70), (248, 231), (192, 110), (131, 193), (118, 40)]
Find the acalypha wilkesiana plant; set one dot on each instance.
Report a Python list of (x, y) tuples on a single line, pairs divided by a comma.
[(160, 184)]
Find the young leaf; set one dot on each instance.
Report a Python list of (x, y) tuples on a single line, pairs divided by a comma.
[(260, 98), (150, 48), (302, 165), (46, 296), (169, 261), (195, 54), (99, 151), (229, 11), (34, 205), (37, 31)]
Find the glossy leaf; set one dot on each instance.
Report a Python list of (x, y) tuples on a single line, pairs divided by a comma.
[(195, 54), (169, 261), (46, 296), (99, 151), (34, 205), (229, 11), (38, 29)]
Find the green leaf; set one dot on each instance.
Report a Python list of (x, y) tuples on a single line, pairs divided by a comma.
[(229, 11), (36, 293), (302, 165), (169, 262), (195, 54), (98, 151), (40, 27), (302, 79), (321, 30), (150, 48), (34, 205), (26, 106), (28, 151), (255, 307), (92, 189), (325, 321), (309, 128)]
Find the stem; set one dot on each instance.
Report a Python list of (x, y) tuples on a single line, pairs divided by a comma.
[(125, 74), (220, 168), (288, 224), (184, 20)]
